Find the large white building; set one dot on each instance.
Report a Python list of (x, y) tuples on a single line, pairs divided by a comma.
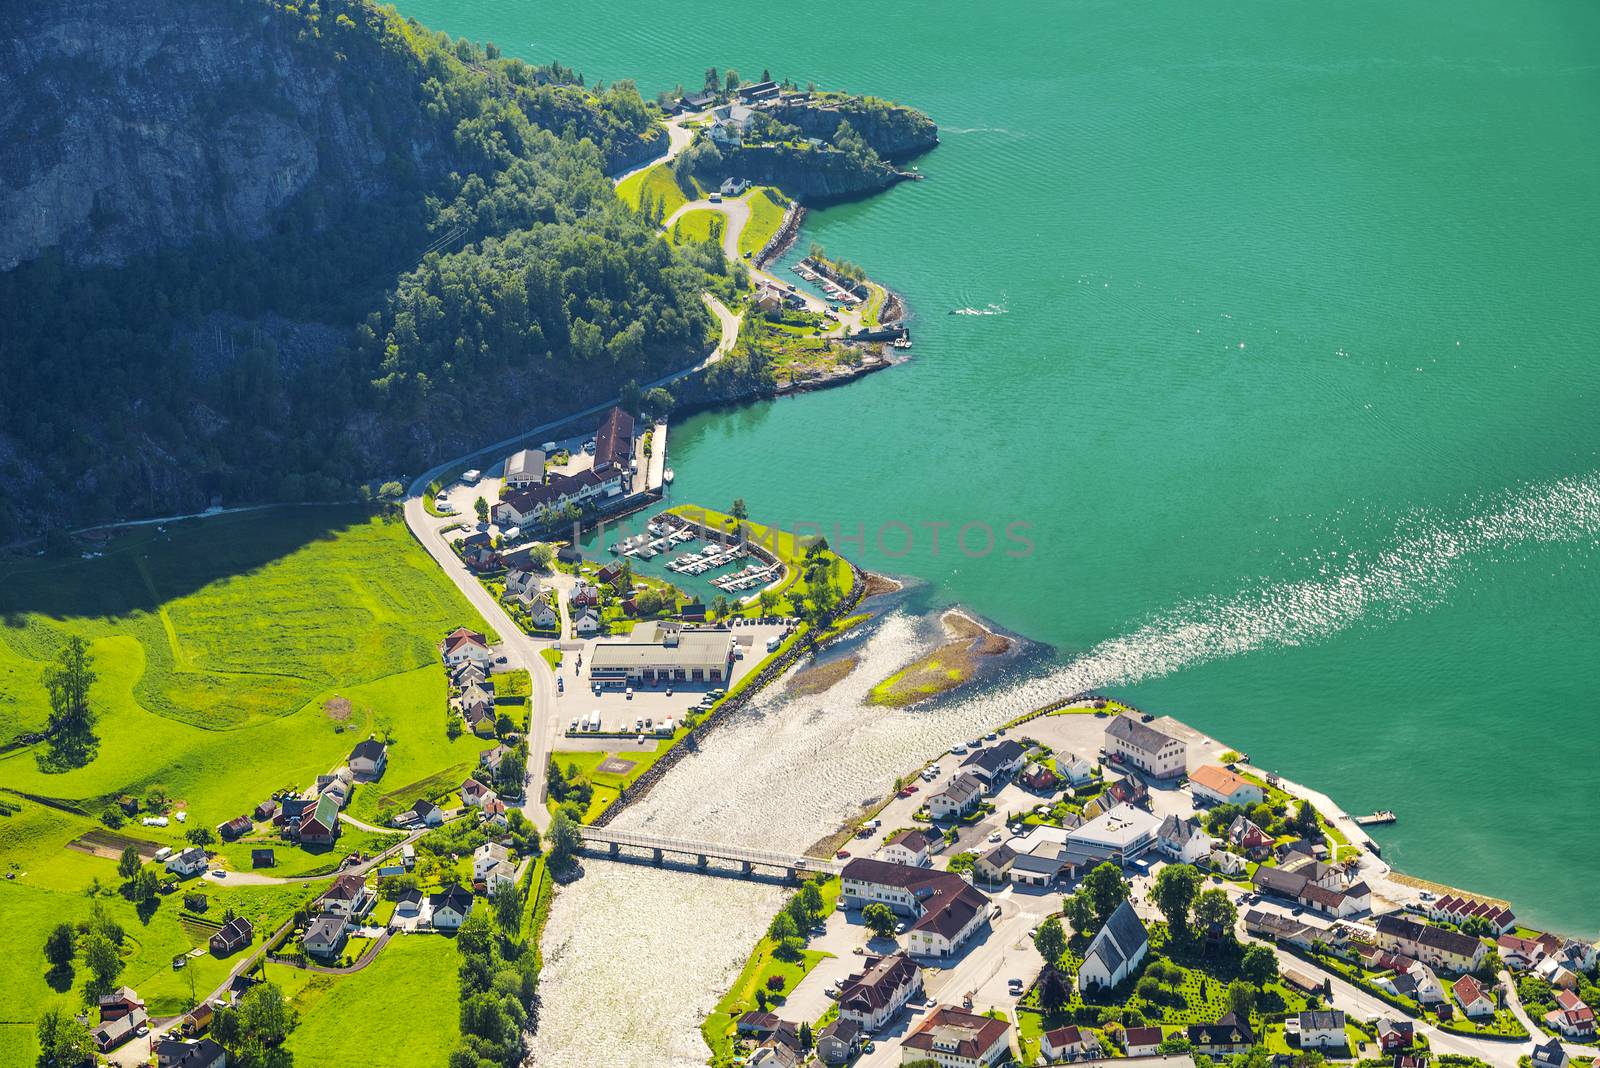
[(664, 652), (945, 910), (1134, 743), (1120, 835)]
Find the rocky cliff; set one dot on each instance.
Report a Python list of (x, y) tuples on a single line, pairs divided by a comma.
[(805, 173), (892, 130)]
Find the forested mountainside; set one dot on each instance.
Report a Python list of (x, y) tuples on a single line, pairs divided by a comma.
[(262, 251)]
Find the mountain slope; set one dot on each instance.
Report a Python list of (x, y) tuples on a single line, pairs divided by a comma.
[(231, 222)]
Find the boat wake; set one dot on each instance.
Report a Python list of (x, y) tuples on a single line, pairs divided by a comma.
[(987, 309), (1413, 574)]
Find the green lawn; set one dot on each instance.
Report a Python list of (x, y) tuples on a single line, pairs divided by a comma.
[(219, 648), (401, 1010), (785, 544), (695, 226), (658, 183), (294, 860), (767, 208)]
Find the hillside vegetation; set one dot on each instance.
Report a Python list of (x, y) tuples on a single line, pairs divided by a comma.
[(317, 235)]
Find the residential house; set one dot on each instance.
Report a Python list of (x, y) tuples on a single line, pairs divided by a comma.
[(1396, 1033), (533, 506), (263, 857), (524, 468), (876, 995), (199, 1053), (945, 910), (1298, 886), (451, 907), (1519, 953), (541, 613), (368, 759), (1040, 779), (1228, 1035), (1245, 834), (1120, 835), (232, 936), (1458, 910), (584, 594), (326, 936), (1228, 863), (462, 645), (475, 793), (1132, 742), (1550, 1054), (954, 1038), (960, 797), (1142, 1041), (468, 673), (995, 764), (774, 1055), (767, 90), (908, 847), (489, 759), (1074, 769), (839, 1041), (1183, 840), (1554, 971), (114, 1032), (320, 826), (347, 897), (693, 102), (586, 622), (1068, 1044), (757, 1025), (730, 123), (995, 865), (1115, 951), (426, 813), (1450, 950), (1571, 1016), (190, 862), (1473, 999), (1322, 1029), (501, 874), (1219, 786), (120, 1002), (487, 856), (409, 903), (1300, 931)]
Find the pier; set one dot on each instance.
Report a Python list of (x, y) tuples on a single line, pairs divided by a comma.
[(655, 849), (1381, 816)]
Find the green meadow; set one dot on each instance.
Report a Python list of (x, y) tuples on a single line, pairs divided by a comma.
[(235, 656), (767, 208)]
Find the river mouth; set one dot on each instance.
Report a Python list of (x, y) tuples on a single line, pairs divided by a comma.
[(635, 956)]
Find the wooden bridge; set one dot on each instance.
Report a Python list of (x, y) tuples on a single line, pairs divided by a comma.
[(654, 848)]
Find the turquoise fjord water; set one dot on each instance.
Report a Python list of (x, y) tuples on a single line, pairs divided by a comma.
[(1290, 371)]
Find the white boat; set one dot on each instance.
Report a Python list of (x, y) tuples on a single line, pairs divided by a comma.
[(666, 476)]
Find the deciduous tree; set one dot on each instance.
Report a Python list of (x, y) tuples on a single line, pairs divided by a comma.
[(1050, 940), (70, 741), (879, 919), (1176, 887)]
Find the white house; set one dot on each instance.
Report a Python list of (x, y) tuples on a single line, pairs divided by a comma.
[(1068, 1044), (347, 897), (1074, 769), (945, 910), (462, 645), (368, 759), (1121, 835), (1228, 863), (451, 908), (1219, 786), (1142, 1041), (732, 187), (1132, 742), (486, 857), (427, 813), (541, 613), (873, 997), (954, 1038), (908, 847), (730, 123), (524, 468), (1115, 951), (959, 797), (326, 935), (587, 622), (1474, 1001), (475, 793), (1322, 1030), (502, 874), (535, 504), (1184, 840), (191, 861)]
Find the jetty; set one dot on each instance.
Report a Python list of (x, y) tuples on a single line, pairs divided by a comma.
[(1383, 815)]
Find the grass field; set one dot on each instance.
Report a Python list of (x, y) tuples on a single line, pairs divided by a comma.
[(220, 646), (657, 183), (401, 1010), (695, 226), (767, 208)]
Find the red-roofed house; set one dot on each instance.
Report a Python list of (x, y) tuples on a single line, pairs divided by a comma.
[(1475, 1002), (957, 1039), (461, 645), (1068, 1044), (1571, 1016), (1222, 787)]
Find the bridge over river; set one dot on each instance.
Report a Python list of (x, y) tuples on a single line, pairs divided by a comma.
[(656, 849)]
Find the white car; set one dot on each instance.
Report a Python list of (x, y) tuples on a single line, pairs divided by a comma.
[(994, 836)]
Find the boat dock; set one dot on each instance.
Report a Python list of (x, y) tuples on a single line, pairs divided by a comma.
[(1381, 816)]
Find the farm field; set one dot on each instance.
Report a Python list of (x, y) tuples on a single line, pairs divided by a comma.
[(234, 656), (414, 976), (222, 651)]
